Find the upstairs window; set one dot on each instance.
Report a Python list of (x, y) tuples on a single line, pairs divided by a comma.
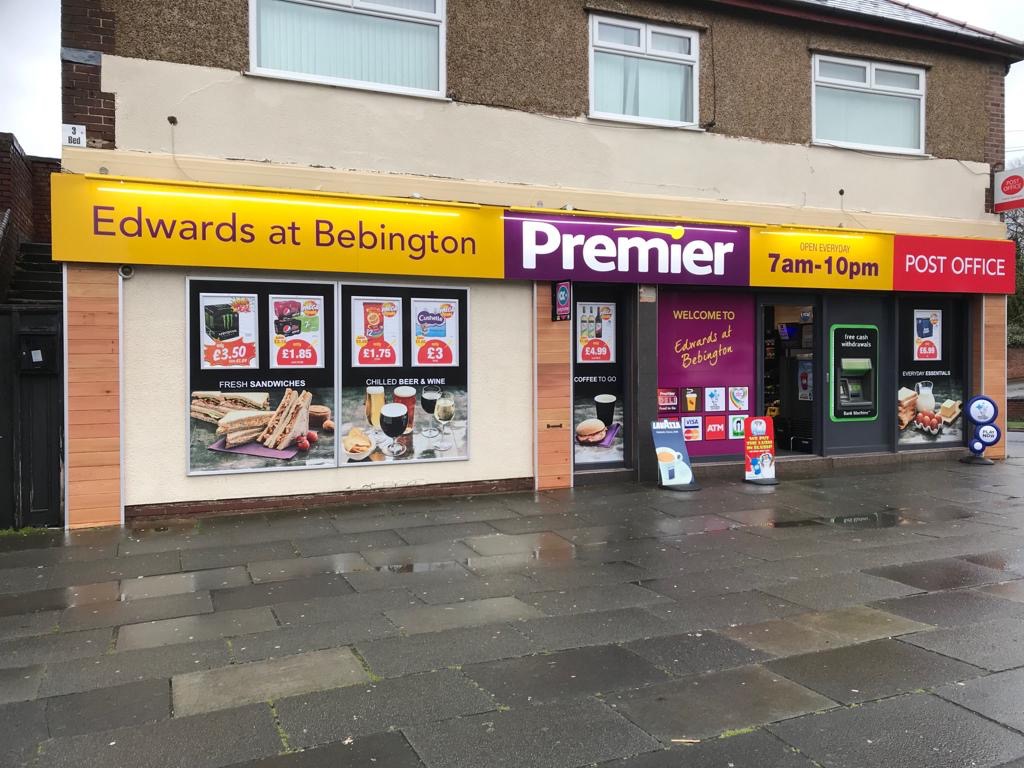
[(384, 45), (868, 105), (642, 73)]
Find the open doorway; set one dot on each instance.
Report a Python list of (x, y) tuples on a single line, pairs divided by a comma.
[(788, 355)]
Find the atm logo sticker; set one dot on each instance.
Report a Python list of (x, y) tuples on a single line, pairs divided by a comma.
[(714, 428)]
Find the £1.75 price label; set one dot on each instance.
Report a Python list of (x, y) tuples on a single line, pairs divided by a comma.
[(434, 352), (230, 354), (297, 353), (377, 352)]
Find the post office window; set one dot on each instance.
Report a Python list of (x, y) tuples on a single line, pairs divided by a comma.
[(643, 73), (868, 105), (387, 45)]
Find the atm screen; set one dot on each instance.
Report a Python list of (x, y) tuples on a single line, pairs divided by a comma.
[(856, 389)]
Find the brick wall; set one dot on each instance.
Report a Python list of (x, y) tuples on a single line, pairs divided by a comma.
[(86, 27), (995, 139), (42, 167), (1015, 363), (16, 185)]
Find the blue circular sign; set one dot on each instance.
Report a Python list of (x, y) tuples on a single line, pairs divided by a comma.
[(982, 410), (563, 295), (976, 447), (987, 434)]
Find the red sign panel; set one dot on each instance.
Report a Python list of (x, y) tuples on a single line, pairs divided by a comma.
[(714, 427), (953, 265)]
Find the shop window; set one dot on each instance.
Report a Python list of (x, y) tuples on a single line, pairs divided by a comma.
[(643, 73), (868, 105), (385, 45)]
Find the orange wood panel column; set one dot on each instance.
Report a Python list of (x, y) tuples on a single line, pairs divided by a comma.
[(993, 310), (92, 397), (553, 366)]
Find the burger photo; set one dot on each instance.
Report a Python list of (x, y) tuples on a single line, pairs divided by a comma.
[(591, 432)]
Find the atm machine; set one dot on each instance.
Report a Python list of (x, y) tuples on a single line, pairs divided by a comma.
[(856, 387)]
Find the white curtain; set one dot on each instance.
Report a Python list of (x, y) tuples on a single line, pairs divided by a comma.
[(627, 85), (306, 39), (867, 118)]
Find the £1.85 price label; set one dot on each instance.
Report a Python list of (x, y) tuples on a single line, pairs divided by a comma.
[(230, 354), (434, 352), (297, 353), (377, 352)]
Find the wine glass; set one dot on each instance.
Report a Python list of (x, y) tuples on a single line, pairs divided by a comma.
[(444, 412), (428, 399), (394, 417)]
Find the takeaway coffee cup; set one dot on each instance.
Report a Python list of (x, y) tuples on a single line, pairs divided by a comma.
[(668, 460), (605, 406)]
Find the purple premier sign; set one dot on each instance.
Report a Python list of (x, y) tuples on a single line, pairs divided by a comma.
[(555, 247)]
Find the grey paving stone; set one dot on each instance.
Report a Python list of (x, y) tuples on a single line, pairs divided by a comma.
[(419, 555), (20, 683), (545, 736), (587, 599), (783, 637), (536, 523), (25, 652), (22, 727), (1011, 559), (934, 575), (429, 534), (695, 653), (839, 591), (397, 656), (194, 628), (292, 640), (28, 624), (708, 705), (210, 740), (108, 708), (859, 624), (179, 583), (72, 574), (344, 608), (995, 645), (297, 568), (436, 618), (951, 609), (355, 542), (874, 670), (225, 557), (713, 611), (475, 588), (507, 544), (918, 731), (135, 611), (255, 595), (63, 677), (313, 718), (568, 674), (758, 749), (997, 697), (1008, 590), (573, 576), (227, 687), (26, 579), (408, 577), (386, 750), (57, 599), (554, 633)]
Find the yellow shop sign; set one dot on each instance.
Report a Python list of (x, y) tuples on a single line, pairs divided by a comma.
[(794, 258), (128, 221)]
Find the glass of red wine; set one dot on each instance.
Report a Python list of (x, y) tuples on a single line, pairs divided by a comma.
[(394, 418)]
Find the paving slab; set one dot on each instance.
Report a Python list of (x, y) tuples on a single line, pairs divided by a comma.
[(113, 569), (108, 708), (397, 656), (544, 736), (114, 669), (707, 705), (712, 611), (313, 719), (995, 645), (419, 555), (297, 568), (188, 581), (22, 727), (210, 740), (135, 611), (951, 609), (386, 750), (916, 731), (574, 575), (293, 640), (27, 651), (507, 544), (1008, 590), (224, 557), (336, 544), (695, 653), (1010, 560), (271, 593), (934, 575), (555, 633), (28, 624), (757, 749), (997, 697), (418, 578), (227, 687), (58, 599), (782, 637), (475, 588), (435, 618), (194, 628), (344, 608), (858, 624), (838, 591), (20, 683), (430, 534), (587, 599)]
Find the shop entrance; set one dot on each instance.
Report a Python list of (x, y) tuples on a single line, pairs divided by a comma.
[(789, 337)]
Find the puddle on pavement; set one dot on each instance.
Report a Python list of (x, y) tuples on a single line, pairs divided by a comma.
[(425, 567)]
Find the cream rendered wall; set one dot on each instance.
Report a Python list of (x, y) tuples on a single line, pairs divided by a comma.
[(156, 397), (225, 114)]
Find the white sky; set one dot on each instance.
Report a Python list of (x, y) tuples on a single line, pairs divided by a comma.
[(30, 61)]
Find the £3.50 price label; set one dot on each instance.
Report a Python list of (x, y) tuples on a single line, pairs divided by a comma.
[(297, 353), (230, 354), (377, 352)]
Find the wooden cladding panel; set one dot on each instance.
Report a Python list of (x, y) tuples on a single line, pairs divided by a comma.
[(554, 395), (93, 395), (994, 332)]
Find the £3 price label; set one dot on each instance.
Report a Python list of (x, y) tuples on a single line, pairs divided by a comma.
[(297, 352), (596, 351), (377, 352), (434, 352), (230, 354)]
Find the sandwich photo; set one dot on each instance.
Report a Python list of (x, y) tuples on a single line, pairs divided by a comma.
[(288, 422), (207, 413), (252, 401), (211, 406), (241, 427), (591, 432)]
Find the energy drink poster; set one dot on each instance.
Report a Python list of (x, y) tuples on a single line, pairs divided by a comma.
[(407, 405), (277, 411), (376, 332), (435, 332), (229, 330), (296, 331)]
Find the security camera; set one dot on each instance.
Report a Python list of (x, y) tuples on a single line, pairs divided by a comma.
[(126, 271)]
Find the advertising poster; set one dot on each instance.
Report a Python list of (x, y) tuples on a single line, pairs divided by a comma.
[(668, 400), (595, 325), (674, 470), (394, 408), (275, 412), (706, 348), (435, 332), (375, 332), (296, 331), (930, 399), (230, 336), (759, 450), (805, 380), (854, 351)]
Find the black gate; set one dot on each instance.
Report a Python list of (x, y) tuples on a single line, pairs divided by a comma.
[(31, 417)]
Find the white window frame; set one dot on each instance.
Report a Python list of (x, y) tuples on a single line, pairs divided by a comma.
[(646, 51), (367, 8), (870, 86)]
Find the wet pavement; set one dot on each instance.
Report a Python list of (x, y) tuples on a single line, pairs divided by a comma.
[(861, 619)]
